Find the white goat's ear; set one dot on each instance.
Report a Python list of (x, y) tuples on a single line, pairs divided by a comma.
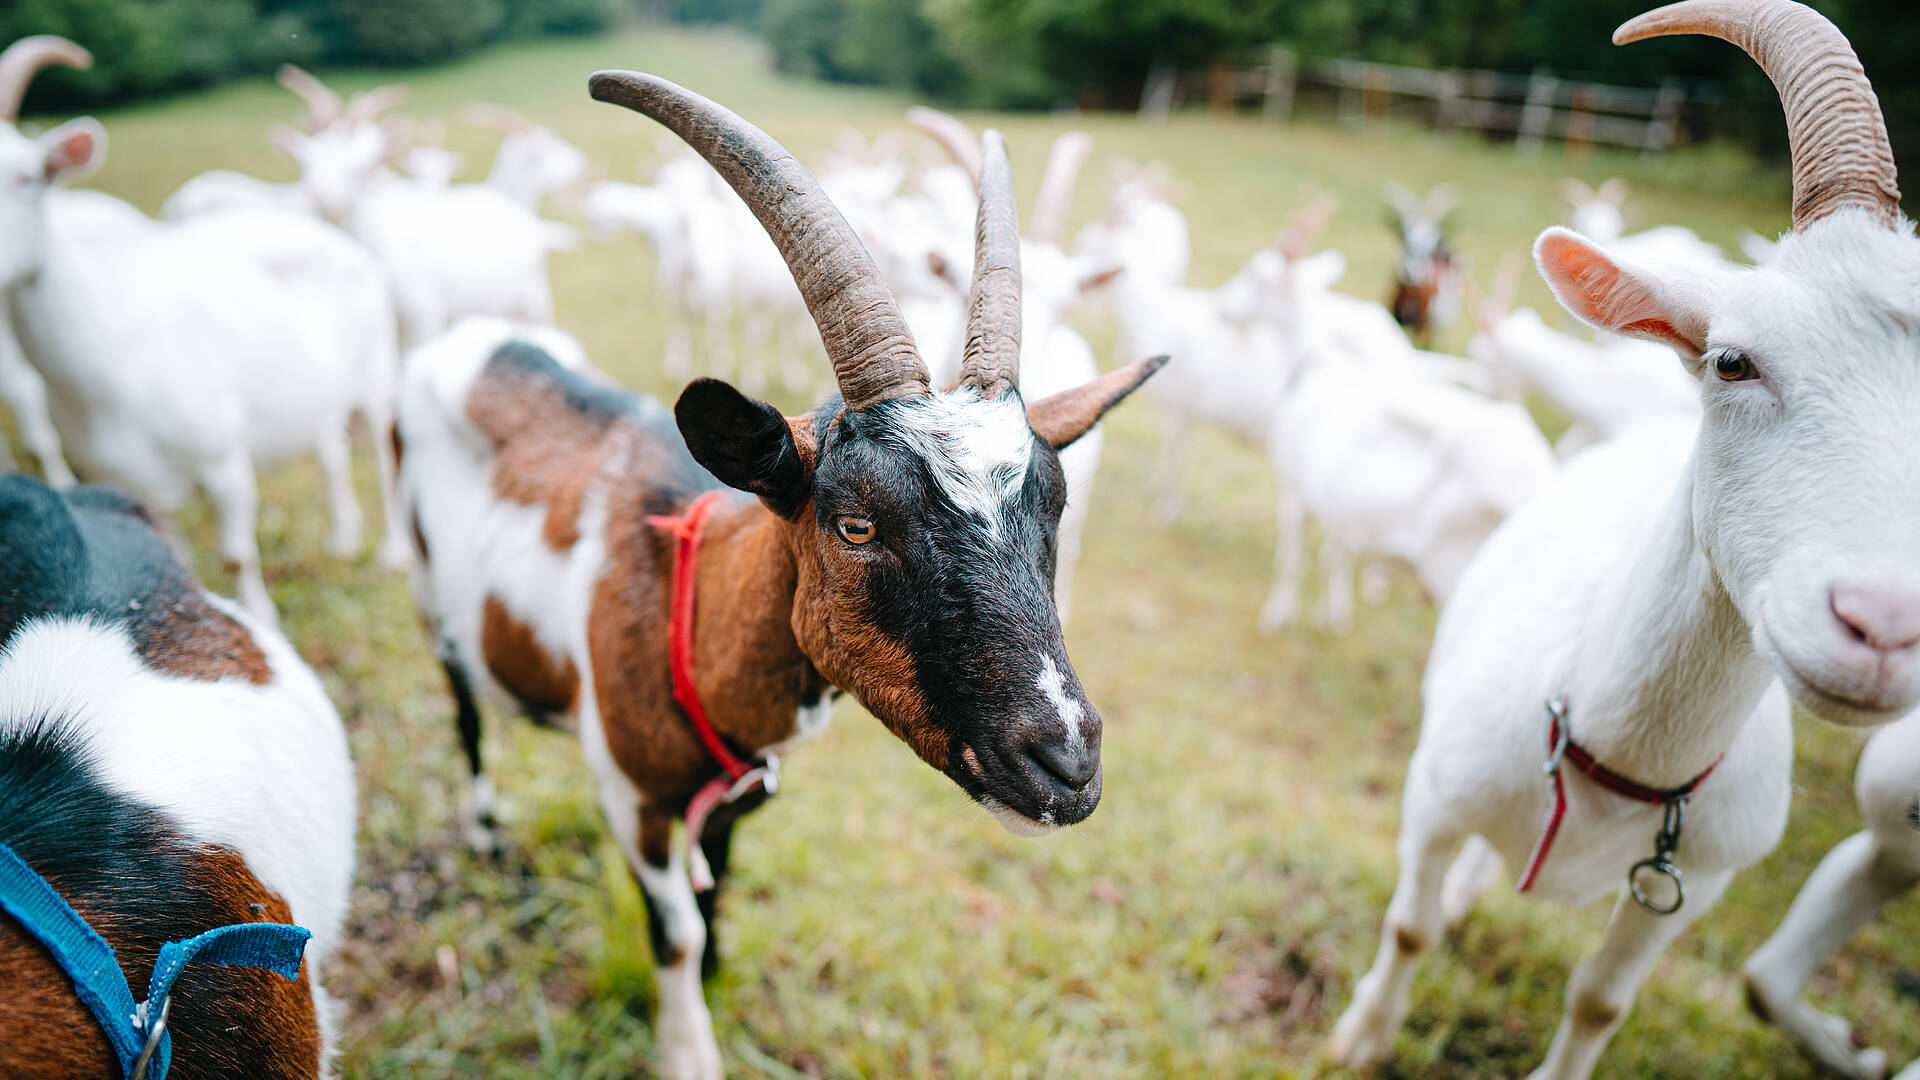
[(1672, 308), (75, 150), (285, 139)]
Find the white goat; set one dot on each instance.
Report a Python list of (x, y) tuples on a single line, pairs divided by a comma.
[(1861, 875), (1661, 629), (257, 341), (1605, 387), (468, 249), (1414, 469), (1600, 216), (532, 163)]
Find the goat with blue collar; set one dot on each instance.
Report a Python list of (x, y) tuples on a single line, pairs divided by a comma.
[(176, 812)]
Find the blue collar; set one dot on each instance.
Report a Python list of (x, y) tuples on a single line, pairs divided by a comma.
[(138, 1032)]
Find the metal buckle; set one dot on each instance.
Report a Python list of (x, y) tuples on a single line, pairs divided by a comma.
[(158, 1029), (1557, 709), (1667, 841)]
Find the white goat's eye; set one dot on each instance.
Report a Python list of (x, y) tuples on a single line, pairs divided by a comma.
[(857, 530), (1733, 365)]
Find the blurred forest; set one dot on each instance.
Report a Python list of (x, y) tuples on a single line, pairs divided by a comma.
[(1006, 54)]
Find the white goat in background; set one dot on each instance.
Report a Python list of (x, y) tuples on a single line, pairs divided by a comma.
[(1647, 637), (247, 354), (1600, 215), (21, 387), (533, 163), (1604, 388), (1860, 876), (333, 130)]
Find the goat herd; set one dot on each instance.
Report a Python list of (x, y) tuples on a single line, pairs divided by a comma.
[(1720, 535)]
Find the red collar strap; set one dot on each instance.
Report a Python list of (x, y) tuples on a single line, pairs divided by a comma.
[(737, 777), (1561, 749)]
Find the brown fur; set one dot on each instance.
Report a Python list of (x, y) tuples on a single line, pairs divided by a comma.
[(180, 632), (547, 452), (1063, 417), (228, 1023), (517, 659), (748, 668)]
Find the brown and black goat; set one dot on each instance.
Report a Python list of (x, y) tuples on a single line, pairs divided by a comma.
[(1426, 282), (897, 542)]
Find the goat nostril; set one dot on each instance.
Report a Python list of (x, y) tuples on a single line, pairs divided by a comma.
[(1884, 619), (1072, 765)]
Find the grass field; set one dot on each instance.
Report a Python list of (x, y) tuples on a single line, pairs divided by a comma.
[(1208, 921)]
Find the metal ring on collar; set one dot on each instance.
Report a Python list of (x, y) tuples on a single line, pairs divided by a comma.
[(1659, 865)]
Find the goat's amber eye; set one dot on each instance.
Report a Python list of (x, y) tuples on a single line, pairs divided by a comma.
[(857, 530), (1734, 366)]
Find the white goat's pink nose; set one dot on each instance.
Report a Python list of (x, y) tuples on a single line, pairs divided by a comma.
[(1885, 619)]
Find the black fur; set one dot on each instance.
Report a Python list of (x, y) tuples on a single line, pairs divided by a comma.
[(89, 550), (745, 443)]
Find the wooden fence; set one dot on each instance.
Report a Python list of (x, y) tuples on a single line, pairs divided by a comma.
[(1531, 108)]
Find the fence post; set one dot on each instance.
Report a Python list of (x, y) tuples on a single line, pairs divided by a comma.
[(1283, 76), (1453, 88), (1666, 118), (1156, 98), (1537, 116)]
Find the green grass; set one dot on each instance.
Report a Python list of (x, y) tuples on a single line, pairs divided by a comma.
[(1209, 920)]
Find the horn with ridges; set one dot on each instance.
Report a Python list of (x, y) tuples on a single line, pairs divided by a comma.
[(873, 354), (1841, 157), (991, 360)]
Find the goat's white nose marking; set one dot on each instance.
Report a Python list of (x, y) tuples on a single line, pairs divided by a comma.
[(1055, 688)]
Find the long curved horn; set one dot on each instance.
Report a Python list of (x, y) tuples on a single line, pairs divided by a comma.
[(28, 57), (367, 107), (991, 361), (1049, 221), (323, 105), (1841, 156), (952, 133), (873, 354)]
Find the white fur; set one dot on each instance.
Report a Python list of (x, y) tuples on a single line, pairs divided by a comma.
[(1054, 689), (978, 451)]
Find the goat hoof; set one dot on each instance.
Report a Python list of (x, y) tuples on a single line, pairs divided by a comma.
[(1275, 618), (396, 554)]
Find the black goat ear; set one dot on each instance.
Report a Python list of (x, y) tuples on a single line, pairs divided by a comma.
[(743, 442)]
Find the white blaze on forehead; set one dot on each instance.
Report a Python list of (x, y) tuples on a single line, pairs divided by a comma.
[(1055, 689), (977, 451)]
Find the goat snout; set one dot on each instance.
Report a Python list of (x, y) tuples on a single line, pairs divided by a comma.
[(1073, 763), (1860, 657), (1882, 618)]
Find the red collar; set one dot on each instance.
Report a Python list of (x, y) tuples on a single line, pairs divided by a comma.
[(738, 777), (1561, 748)]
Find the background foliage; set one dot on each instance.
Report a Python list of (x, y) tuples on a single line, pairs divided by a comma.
[(143, 47), (1039, 53)]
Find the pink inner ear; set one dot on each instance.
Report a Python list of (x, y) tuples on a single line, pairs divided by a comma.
[(1600, 292), (70, 153)]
